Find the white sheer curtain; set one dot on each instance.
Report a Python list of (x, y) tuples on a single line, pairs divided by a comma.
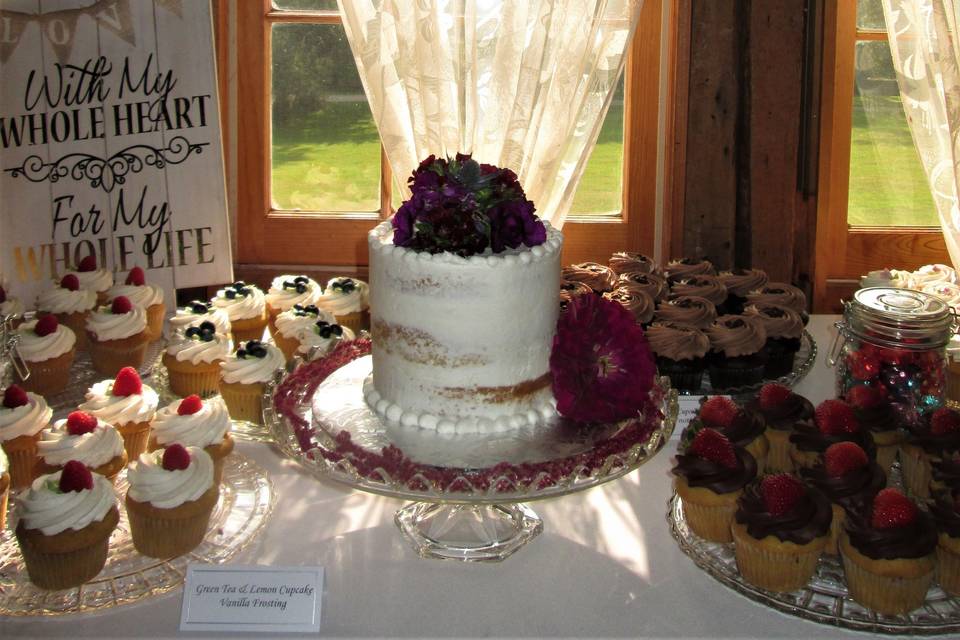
[(923, 41), (523, 84)]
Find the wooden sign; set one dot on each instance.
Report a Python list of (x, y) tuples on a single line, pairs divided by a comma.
[(110, 143)]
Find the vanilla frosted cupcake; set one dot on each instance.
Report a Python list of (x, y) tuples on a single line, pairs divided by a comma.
[(66, 519), (347, 300), (10, 306), (141, 294), (291, 323), (117, 336), (48, 349), (70, 304), (243, 378), (84, 438), (193, 363), (127, 404), (320, 339), (23, 416), (193, 422), (246, 308), (287, 291), (93, 278), (171, 497), (195, 314)]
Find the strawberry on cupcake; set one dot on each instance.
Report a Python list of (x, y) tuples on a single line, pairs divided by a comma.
[(781, 410), (834, 421), (936, 437), (882, 421), (743, 427)]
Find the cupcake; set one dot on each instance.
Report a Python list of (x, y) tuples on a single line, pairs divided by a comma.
[(945, 510), (888, 553), (246, 308), (834, 421), (849, 479), (84, 438), (127, 404), (784, 329), (882, 421), (193, 363), (66, 519), (634, 300), (630, 261), (569, 289), (4, 490), (287, 291), (690, 311), (780, 528), (599, 278), (117, 336), (708, 287), (10, 306), (685, 268), (932, 274), (71, 305), (193, 422), (171, 497), (736, 356), (243, 378), (739, 283), (743, 427), (320, 339), (936, 437), (780, 293), (193, 315), (294, 321), (92, 278), (22, 417), (48, 350), (781, 410), (709, 478), (347, 300), (652, 284), (680, 354), (141, 294), (945, 473)]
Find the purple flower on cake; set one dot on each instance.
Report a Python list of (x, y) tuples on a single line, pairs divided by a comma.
[(601, 363), (463, 207)]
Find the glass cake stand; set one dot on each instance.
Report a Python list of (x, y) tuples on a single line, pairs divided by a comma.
[(468, 492)]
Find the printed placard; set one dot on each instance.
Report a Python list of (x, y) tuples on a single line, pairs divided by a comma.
[(689, 406), (252, 598)]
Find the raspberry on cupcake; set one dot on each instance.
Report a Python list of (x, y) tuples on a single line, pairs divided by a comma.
[(246, 307), (882, 421), (782, 410), (23, 416), (70, 304), (193, 422), (117, 336), (141, 294), (743, 427), (48, 349), (834, 421), (127, 404), (91, 277), (81, 436)]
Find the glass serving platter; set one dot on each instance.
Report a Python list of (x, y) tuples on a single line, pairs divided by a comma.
[(246, 501), (824, 599)]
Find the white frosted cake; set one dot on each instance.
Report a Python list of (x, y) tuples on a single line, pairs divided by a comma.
[(462, 345)]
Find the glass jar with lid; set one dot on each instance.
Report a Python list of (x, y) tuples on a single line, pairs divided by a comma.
[(895, 339)]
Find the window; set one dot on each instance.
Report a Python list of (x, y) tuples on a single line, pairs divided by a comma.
[(313, 179), (874, 205)]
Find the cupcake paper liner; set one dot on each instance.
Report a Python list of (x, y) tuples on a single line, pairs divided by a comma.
[(887, 594), (685, 375), (186, 378), (773, 564), (778, 457), (356, 321), (916, 469), (948, 564), (248, 328), (727, 373), (110, 356), (167, 533), (759, 448), (780, 356), (22, 456), (287, 345), (708, 514), (4, 497), (155, 315), (244, 401), (135, 436), (48, 377)]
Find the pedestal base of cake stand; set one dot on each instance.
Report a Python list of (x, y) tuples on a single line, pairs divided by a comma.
[(468, 532)]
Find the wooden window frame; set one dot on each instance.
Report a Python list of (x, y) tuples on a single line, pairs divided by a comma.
[(269, 236), (844, 253)]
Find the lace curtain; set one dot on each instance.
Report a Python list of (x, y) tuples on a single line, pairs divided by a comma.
[(923, 41), (523, 84)]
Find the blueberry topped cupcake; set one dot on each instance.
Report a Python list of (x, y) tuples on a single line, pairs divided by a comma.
[(196, 313), (739, 283), (685, 268), (291, 323), (628, 261), (680, 353), (784, 329), (736, 351), (246, 307), (286, 291), (650, 283), (320, 339), (348, 300), (243, 377), (599, 278), (708, 287), (634, 300), (834, 421), (691, 311)]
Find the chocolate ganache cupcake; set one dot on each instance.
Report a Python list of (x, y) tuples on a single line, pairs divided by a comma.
[(635, 301), (744, 428), (945, 510), (945, 474), (880, 418), (849, 479), (784, 329), (740, 282), (709, 478), (834, 421), (736, 351), (596, 276), (570, 289), (650, 283), (629, 261), (888, 553), (781, 293), (679, 352), (936, 437), (780, 529), (691, 311), (708, 287), (685, 268), (782, 410)]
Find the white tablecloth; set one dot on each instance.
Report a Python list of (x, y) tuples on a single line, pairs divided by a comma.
[(605, 566)]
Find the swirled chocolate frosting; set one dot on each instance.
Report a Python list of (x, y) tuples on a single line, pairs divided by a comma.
[(677, 342), (854, 490), (627, 261), (692, 311), (809, 519), (715, 476), (915, 540), (596, 276), (780, 293), (807, 437), (745, 427), (947, 472), (708, 287), (736, 335), (740, 282), (687, 268), (635, 301), (883, 417), (650, 283), (943, 510), (794, 410), (778, 321)]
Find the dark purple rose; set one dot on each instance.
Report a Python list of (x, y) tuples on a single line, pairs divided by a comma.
[(403, 224), (513, 223)]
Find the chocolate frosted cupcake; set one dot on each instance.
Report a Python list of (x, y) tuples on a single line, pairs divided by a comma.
[(679, 353), (937, 437), (945, 510), (784, 329), (736, 351), (685, 268), (783, 294), (570, 289), (708, 287), (739, 283), (834, 421), (744, 428), (710, 477), (635, 301), (650, 283), (878, 416), (781, 527), (945, 474), (599, 278), (691, 311), (781, 410), (629, 261), (849, 479)]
